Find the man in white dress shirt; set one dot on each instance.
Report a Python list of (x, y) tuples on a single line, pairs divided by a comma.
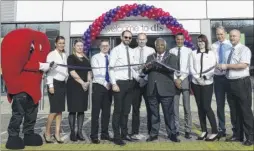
[(123, 83), (101, 100), (182, 84), (237, 71), (222, 49), (141, 54)]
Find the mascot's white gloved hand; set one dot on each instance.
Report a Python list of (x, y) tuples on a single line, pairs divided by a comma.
[(46, 66)]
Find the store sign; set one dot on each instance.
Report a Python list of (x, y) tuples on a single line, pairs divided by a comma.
[(148, 27), (116, 28)]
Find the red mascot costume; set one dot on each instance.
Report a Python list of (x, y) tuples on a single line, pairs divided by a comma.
[(24, 53)]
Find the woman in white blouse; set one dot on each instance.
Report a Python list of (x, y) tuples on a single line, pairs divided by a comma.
[(202, 63), (56, 89)]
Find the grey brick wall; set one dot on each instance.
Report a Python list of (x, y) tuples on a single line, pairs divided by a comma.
[(8, 11)]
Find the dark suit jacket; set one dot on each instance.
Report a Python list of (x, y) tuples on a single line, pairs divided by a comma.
[(161, 76)]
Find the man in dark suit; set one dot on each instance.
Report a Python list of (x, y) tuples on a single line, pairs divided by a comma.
[(161, 89)]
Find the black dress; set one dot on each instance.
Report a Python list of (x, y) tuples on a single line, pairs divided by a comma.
[(77, 98)]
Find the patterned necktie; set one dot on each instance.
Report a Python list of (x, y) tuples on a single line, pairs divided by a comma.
[(221, 54), (159, 58), (229, 59), (128, 59), (107, 74)]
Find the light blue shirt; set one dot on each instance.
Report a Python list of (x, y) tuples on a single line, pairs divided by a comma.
[(226, 47)]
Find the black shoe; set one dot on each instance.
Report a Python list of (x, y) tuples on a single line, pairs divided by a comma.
[(214, 138), (187, 135), (233, 139), (151, 138), (222, 134), (248, 143), (201, 138), (95, 141), (103, 137), (127, 138), (119, 142), (174, 138), (58, 141)]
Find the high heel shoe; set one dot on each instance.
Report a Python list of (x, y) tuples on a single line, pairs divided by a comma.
[(58, 141), (202, 138), (214, 138), (46, 140)]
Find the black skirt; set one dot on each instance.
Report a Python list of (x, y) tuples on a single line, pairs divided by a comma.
[(57, 100), (77, 98)]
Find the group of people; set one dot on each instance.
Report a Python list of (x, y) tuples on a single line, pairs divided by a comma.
[(159, 76)]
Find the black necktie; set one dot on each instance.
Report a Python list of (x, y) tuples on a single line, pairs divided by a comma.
[(179, 57), (128, 59), (229, 60)]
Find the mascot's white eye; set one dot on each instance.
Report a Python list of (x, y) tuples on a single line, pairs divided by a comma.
[(32, 47), (40, 46)]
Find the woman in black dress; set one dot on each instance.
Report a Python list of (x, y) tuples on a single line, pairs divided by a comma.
[(77, 89)]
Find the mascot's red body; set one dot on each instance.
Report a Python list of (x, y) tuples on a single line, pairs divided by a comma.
[(24, 53)]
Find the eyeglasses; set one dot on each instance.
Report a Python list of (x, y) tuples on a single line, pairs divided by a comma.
[(125, 37)]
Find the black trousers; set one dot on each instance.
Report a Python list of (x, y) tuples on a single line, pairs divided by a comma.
[(221, 88), (122, 106), (241, 91), (136, 103), (203, 97), (101, 103), (22, 107), (167, 103)]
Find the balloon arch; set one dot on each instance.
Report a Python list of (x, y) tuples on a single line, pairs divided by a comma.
[(127, 10)]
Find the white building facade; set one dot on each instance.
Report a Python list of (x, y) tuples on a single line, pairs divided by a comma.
[(72, 18)]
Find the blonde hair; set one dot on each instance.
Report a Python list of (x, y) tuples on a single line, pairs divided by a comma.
[(74, 50)]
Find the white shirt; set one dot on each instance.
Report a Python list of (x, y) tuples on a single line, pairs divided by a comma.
[(99, 74), (59, 73), (118, 57), (226, 49), (141, 55), (184, 61), (196, 63), (241, 54)]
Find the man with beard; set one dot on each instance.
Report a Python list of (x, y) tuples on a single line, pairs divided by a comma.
[(141, 54), (122, 80)]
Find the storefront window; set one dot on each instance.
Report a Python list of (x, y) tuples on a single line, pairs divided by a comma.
[(245, 26)]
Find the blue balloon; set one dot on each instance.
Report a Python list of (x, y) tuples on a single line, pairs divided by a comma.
[(180, 25), (176, 24), (148, 7), (135, 14), (170, 18), (128, 14), (114, 10), (139, 6), (152, 6), (162, 22), (118, 7), (90, 26)]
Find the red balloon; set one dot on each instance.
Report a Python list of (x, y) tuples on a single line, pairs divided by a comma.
[(167, 14)]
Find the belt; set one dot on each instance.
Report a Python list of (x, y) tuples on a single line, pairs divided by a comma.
[(243, 78)]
